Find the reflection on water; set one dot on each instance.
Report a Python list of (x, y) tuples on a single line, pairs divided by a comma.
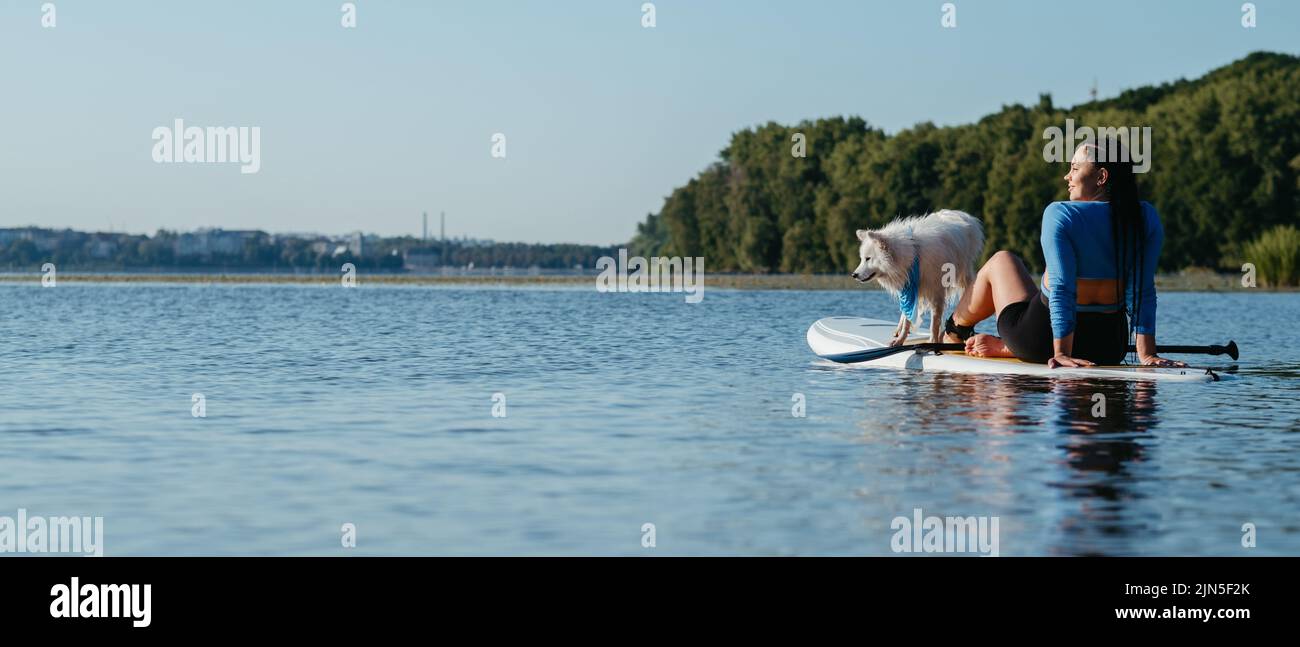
[(1100, 425), (1098, 429), (374, 406)]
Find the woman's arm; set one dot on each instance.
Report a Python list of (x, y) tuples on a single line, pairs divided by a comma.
[(1145, 322), (1062, 295), (1146, 346), (1062, 266)]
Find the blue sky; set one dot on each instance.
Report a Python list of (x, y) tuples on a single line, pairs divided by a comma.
[(365, 128)]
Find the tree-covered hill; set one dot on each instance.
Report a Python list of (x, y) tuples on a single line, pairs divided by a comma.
[(1225, 158)]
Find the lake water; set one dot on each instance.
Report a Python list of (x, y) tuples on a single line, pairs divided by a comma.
[(374, 406)]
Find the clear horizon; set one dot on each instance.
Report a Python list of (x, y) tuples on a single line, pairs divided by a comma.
[(364, 129)]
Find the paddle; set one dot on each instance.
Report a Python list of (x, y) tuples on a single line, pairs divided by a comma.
[(870, 354), (1213, 349)]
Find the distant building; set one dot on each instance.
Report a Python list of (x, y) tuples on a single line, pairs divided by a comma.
[(45, 240), (206, 243), (102, 248), (421, 260), (225, 243), (195, 244)]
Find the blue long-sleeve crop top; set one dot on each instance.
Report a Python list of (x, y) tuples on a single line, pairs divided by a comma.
[(1078, 244)]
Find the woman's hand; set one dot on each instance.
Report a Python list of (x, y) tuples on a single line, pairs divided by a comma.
[(1063, 360), (1062, 347), (1155, 360), (1146, 349), (982, 345)]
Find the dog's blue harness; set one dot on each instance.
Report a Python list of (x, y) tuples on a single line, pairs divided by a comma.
[(907, 296)]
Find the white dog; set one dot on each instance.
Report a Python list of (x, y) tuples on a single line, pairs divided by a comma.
[(923, 261)]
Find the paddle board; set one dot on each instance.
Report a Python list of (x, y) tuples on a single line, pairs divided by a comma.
[(838, 335)]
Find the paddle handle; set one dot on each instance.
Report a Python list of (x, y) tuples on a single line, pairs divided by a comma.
[(1213, 349)]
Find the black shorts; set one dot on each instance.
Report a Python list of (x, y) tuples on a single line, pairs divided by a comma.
[(1026, 329)]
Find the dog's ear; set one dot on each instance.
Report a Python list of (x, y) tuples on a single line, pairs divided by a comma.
[(863, 233), (878, 237)]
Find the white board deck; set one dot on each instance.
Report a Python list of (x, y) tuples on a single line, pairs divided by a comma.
[(838, 335)]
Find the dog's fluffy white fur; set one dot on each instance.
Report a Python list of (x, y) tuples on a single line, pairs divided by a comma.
[(942, 237)]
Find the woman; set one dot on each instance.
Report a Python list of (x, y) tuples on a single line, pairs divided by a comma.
[(1102, 248)]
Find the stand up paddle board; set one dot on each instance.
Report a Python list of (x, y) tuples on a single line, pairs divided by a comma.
[(836, 336)]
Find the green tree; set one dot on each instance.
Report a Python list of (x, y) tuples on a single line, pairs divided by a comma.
[(1225, 166)]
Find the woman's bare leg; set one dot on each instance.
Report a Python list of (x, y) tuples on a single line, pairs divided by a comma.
[(1003, 280)]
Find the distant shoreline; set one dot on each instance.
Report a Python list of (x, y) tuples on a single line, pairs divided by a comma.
[(1191, 281)]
